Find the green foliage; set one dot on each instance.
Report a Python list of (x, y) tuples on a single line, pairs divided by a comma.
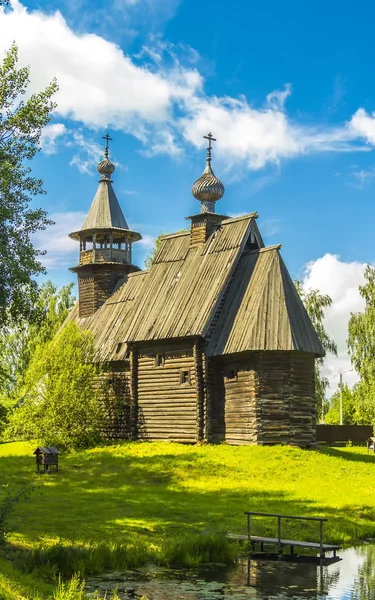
[(60, 405), (349, 416), (75, 590), (19, 342), (21, 125), (361, 345), (3, 418), (361, 338), (315, 303)]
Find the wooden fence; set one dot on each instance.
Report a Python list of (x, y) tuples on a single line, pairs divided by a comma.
[(331, 434)]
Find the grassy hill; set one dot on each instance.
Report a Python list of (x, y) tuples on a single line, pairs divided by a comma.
[(125, 505)]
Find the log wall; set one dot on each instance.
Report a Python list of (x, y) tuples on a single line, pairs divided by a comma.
[(268, 398), (262, 398), (241, 395), (95, 287), (167, 408)]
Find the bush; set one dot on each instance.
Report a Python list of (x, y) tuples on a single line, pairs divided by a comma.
[(60, 404)]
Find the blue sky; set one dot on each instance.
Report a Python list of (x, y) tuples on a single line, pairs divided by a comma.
[(286, 88)]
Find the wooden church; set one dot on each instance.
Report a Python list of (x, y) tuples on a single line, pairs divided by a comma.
[(212, 343)]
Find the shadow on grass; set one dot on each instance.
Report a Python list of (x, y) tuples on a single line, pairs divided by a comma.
[(352, 456), (105, 511)]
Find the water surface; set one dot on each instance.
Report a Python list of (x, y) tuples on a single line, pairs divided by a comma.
[(352, 578)]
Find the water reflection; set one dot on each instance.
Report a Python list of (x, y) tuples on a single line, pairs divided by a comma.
[(353, 578)]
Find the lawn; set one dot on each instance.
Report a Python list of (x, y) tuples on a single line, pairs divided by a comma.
[(169, 503)]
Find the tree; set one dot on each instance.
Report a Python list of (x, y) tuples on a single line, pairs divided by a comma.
[(349, 416), (18, 343), (21, 124), (315, 303), (61, 406), (361, 346)]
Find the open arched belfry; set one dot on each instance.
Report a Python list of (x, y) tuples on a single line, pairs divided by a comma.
[(212, 343)]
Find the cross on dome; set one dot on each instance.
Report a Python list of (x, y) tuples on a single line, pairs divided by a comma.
[(106, 138), (210, 139)]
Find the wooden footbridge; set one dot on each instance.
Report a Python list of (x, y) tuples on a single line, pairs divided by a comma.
[(281, 542)]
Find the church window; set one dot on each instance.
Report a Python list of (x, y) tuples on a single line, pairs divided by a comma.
[(185, 377), (159, 360)]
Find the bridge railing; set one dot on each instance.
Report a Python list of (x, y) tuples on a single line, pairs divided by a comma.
[(250, 514)]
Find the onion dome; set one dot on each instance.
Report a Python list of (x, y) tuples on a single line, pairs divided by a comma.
[(106, 168), (208, 188)]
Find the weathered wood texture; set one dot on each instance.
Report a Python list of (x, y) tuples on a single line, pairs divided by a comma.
[(269, 398), (263, 398), (168, 408), (95, 286), (263, 310)]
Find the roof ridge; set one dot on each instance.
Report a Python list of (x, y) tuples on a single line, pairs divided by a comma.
[(253, 215), (172, 235), (135, 273), (265, 249)]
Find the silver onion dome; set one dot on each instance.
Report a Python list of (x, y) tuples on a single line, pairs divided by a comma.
[(208, 188), (106, 168)]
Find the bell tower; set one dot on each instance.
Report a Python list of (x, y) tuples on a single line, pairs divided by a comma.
[(105, 244)]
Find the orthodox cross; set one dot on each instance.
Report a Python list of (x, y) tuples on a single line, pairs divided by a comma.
[(106, 138), (210, 139)]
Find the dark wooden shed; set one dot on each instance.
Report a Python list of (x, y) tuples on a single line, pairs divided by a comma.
[(47, 457)]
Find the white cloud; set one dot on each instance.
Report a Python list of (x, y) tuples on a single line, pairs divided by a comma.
[(99, 85), (246, 134), (164, 101), (340, 280), (61, 250), (49, 136), (363, 177), (363, 125), (163, 142), (89, 153)]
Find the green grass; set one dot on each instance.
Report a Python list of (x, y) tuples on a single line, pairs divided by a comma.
[(125, 505)]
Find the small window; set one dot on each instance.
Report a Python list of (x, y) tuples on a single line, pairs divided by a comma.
[(159, 360), (119, 345), (185, 377), (231, 375)]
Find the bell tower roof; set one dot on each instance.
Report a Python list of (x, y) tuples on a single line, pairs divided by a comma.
[(105, 212)]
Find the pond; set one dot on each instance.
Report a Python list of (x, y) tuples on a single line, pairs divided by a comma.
[(352, 578)]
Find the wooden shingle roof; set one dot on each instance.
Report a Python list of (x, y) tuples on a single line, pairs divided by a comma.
[(176, 298), (245, 300), (263, 310), (105, 211)]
